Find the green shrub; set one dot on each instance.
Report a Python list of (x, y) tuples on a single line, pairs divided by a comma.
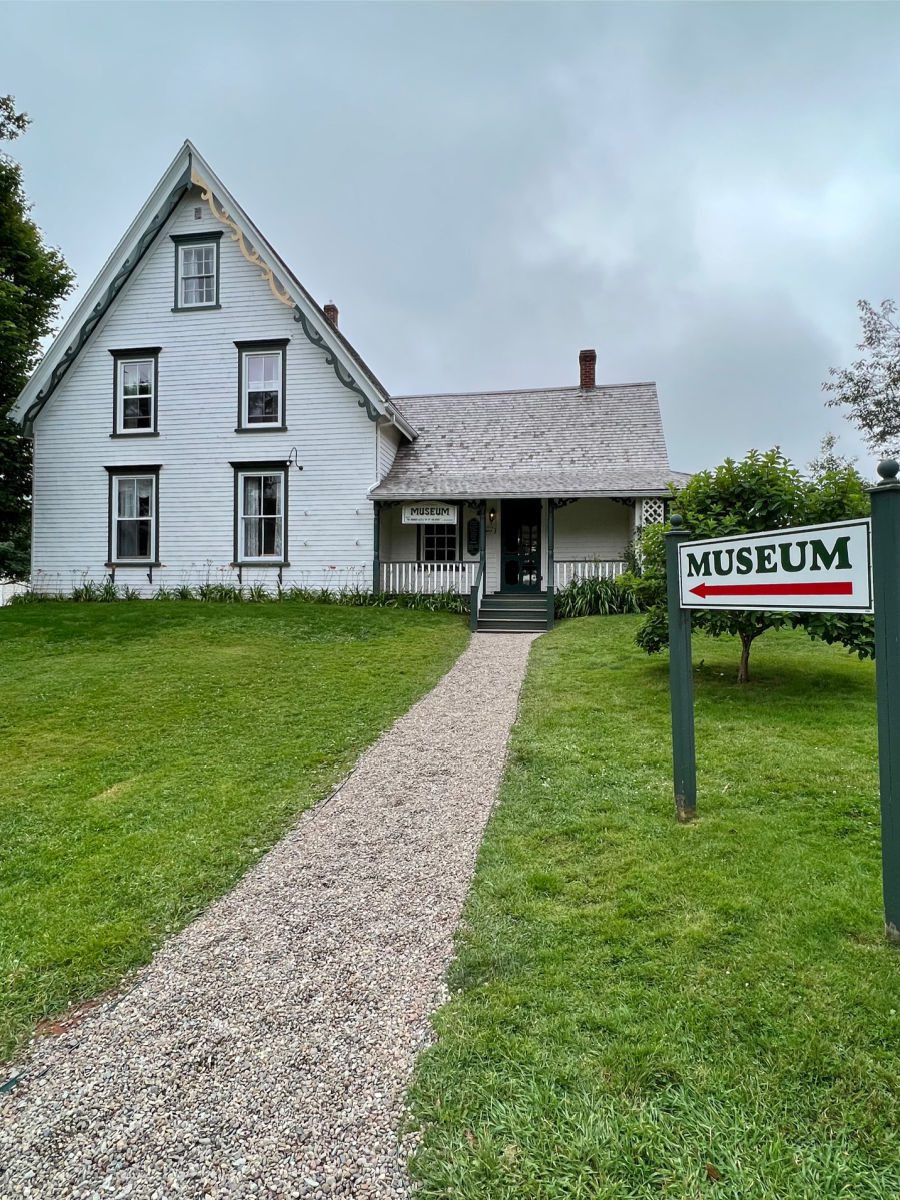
[(591, 597)]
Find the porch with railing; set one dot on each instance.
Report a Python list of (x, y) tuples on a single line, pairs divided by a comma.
[(567, 569), (428, 578)]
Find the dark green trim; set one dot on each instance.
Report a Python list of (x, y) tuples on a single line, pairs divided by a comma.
[(198, 238), (376, 549), (102, 306), (263, 343), (195, 239), (886, 585), (505, 507), (261, 429), (343, 375), (263, 467), (277, 345), (681, 683), (139, 469), (129, 470), (251, 464), (119, 356), (551, 562)]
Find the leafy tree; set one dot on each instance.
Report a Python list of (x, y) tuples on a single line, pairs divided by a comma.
[(869, 389), (34, 278), (763, 491)]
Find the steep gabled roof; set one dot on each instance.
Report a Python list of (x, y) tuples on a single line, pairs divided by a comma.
[(189, 169), (570, 441)]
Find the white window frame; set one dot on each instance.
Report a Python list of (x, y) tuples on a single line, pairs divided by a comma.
[(246, 355), (213, 245), (121, 363), (261, 472), (118, 477)]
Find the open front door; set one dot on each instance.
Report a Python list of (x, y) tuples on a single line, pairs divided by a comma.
[(520, 546)]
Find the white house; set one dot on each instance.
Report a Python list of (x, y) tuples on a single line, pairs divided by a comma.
[(201, 417)]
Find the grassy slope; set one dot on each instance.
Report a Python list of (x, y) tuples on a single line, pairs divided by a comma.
[(653, 1010), (150, 752)]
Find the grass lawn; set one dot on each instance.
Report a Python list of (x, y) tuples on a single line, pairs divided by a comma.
[(643, 1009), (150, 752)]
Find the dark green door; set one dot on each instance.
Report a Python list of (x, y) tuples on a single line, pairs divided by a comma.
[(520, 546)]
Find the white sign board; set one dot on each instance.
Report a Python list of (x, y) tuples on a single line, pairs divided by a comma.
[(429, 513), (818, 568)]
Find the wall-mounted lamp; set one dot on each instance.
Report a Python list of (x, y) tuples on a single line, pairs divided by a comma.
[(492, 516)]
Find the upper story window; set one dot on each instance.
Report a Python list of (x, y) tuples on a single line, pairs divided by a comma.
[(135, 388), (196, 270), (133, 515), (261, 385)]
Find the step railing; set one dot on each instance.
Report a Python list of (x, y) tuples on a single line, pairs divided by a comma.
[(567, 569), (428, 577), (476, 595)]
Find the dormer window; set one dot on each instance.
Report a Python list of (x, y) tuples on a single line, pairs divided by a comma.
[(196, 270)]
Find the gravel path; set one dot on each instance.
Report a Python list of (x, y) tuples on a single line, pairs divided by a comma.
[(266, 1049)]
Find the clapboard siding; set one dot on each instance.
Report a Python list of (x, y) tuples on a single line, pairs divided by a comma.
[(388, 443), (592, 529), (330, 517)]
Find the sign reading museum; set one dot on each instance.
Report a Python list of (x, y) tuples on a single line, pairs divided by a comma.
[(819, 568), (429, 513)]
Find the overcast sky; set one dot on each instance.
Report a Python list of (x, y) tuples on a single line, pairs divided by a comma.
[(702, 192)]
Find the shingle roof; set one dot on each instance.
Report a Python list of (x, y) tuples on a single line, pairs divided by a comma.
[(603, 441)]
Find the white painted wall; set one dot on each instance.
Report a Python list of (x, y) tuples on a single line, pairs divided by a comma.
[(591, 529), (330, 519)]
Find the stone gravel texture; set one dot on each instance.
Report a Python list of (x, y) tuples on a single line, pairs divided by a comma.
[(266, 1049)]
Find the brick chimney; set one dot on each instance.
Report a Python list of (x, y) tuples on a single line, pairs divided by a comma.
[(331, 312), (587, 363)]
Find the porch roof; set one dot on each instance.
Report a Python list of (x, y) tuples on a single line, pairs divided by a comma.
[(565, 442)]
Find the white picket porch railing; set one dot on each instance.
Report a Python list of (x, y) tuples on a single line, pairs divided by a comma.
[(565, 570), (428, 577)]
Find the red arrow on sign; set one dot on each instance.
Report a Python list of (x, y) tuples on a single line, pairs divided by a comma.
[(772, 589)]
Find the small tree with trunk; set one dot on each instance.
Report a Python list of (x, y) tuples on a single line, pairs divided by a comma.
[(34, 278), (761, 492)]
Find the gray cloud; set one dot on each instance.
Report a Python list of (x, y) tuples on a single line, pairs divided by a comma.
[(701, 191)]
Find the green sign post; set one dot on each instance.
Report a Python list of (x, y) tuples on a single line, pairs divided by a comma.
[(834, 567), (681, 682), (886, 584)]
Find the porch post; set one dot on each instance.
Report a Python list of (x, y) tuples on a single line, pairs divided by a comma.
[(482, 530), (376, 550), (551, 520)]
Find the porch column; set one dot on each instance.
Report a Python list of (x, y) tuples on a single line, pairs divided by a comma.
[(482, 531), (376, 549), (551, 522)]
